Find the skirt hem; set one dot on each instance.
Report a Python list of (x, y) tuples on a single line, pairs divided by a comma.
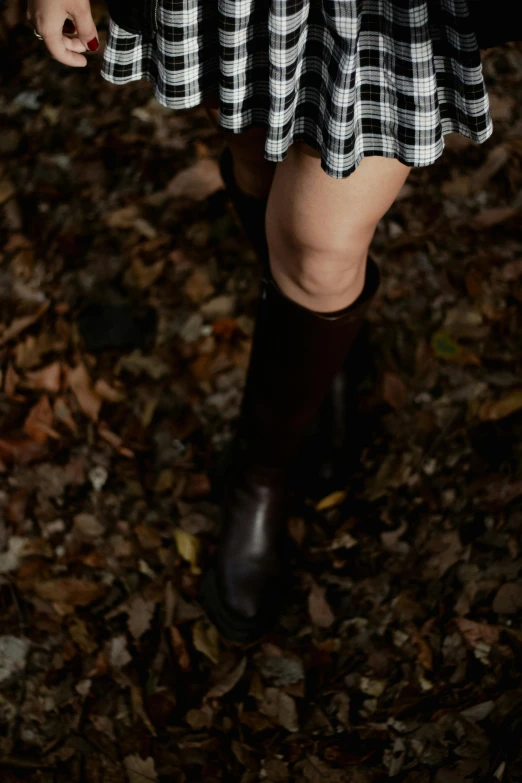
[(448, 125)]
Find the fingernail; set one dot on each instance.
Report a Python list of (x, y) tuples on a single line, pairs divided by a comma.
[(93, 45)]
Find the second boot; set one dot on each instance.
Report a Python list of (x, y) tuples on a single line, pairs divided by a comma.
[(294, 356)]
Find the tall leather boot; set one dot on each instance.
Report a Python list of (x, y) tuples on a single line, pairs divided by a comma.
[(332, 437), (294, 356)]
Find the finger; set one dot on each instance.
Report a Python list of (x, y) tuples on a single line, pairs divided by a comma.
[(58, 46), (75, 45), (86, 28)]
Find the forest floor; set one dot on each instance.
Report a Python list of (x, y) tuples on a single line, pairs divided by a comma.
[(398, 652)]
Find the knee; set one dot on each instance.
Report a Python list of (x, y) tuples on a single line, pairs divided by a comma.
[(320, 265)]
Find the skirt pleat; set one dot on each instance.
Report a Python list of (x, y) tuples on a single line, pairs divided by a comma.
[(351, 78)]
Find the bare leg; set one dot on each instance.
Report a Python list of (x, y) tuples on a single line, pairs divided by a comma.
[(319, 229)]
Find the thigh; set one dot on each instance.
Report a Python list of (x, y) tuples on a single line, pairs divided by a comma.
[(318, 211)]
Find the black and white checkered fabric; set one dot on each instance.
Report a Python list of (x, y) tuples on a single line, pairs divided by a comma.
[(350, 77)]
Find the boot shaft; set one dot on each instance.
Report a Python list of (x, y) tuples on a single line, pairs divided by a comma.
[(295, 355)]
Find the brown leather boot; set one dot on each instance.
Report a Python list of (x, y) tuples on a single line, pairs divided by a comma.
[(294, 357)]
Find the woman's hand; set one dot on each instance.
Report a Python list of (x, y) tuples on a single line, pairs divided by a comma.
[(49, 17)]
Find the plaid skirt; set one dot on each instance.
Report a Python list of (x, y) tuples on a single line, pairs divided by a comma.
[(349, 77)]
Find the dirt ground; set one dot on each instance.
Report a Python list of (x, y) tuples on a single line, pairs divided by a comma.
[(127, 297)]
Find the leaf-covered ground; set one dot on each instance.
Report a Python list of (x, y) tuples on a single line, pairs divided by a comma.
[(127, 294)]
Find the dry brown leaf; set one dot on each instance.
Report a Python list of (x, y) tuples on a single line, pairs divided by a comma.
[(22, 450), (508, 599), (140, 770), (24, 322), (474, 633), (7, 190), (180, 649), (318, 607), (280, 707), (205, 638), (228, 682), (69, 590), (199, 287), (81, 636), (48, 378), (492, 410), (63, 414), (496, 159), (108, 392), (115, 440), (492, 216), (140, 614), (79, 381), (11, 380), (130, 218), (39, 420), (424, 653), (512, 271), (449, 550), (394, 391), (144, 275), (197, 182)]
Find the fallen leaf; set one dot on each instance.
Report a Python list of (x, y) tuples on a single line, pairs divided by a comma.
[(144, 275), (11, 380), (20, 324), (330, 501), (446, 347), (496, 159), (13, 655), (197, 182), (205, 638), (140, 770), (119, 655), (228, 682), (48, 378), (188, 547), (140, 614), (115, 440), (318, 607), (508, 599), (512, 271), (22, 450), (79, 381), (474, 633), (108, 392), (180, 649), (10, 560), (130, 218), (492, 216), (280, 707), (394, 391), (39, 420), (492, 410), (88, 526), (70, 590), (63, 414)]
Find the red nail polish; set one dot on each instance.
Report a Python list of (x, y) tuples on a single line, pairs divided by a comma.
[(93, 45)]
